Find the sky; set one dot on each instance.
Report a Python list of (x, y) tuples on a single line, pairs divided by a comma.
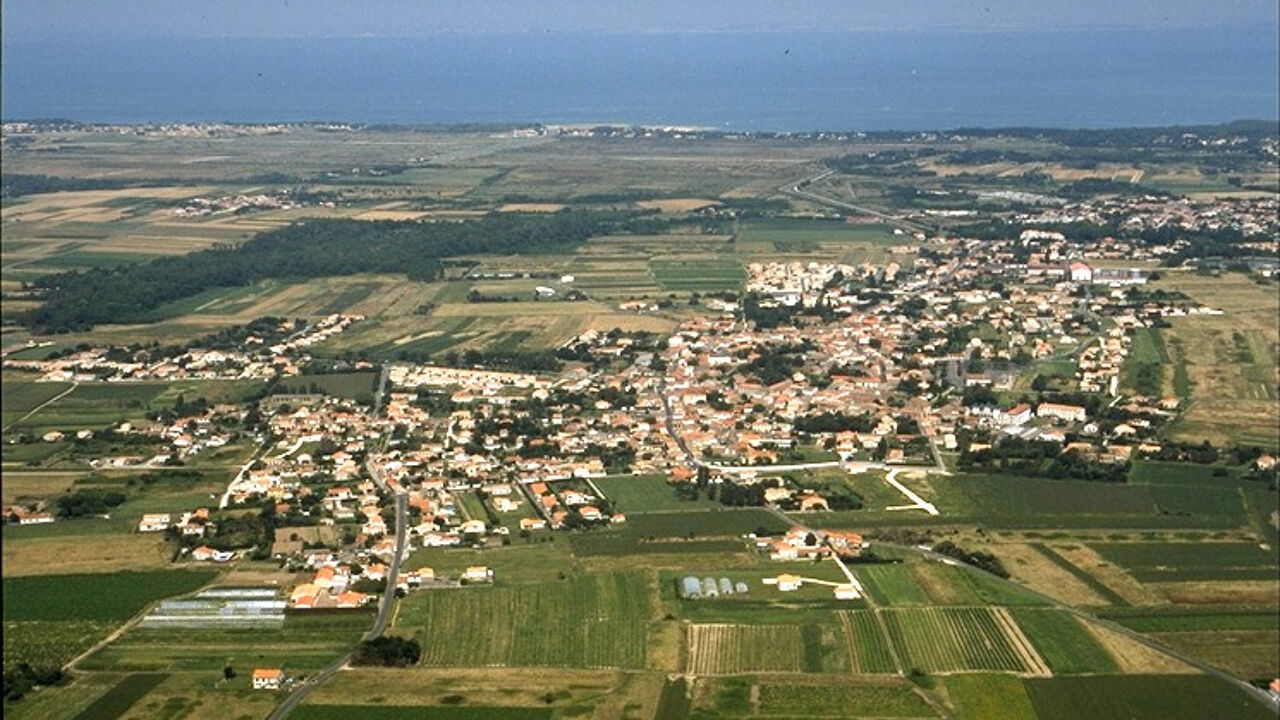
[(140, 19)]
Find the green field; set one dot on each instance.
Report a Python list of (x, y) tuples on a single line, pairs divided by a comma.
[(1063, 643), (701, 524), (117, 701), (644, 493), (106, 597), (355, 385), (952, 639), (846, 700), (19, 397), (697, 275), (989, 697), (591, 621), (1142, 697), (891, 585), (1190, 562)]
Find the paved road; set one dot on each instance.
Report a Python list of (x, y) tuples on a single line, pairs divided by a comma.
[(794, 188), (671, 425), (385, 606)]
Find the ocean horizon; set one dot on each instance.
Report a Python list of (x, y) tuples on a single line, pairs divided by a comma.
[(793, 82)]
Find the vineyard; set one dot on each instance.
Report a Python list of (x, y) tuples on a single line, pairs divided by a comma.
[(869, 651), (596, 621), (716, 649), (955, 639)]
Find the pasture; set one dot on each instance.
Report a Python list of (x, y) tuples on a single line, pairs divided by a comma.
[(584, 621), (698, 275)]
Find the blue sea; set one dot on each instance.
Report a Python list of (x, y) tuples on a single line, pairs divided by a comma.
[(780, 82)]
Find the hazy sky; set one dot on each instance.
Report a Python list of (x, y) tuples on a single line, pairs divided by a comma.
[(48, 19)]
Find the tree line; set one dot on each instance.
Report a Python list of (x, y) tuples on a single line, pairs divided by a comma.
[(79, 300)]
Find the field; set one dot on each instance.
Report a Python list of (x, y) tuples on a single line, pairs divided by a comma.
[(644, 493), (19, 397), (717, 649), (989, 697), (107, 597), (1190, 562), (697, 275), (1225, 364), (599, 620), (117, 701), (424, 712), (49, 619), (355, 385), (954, 639), (1141, 698), (857, 700), (303, 643), (1063, 643)]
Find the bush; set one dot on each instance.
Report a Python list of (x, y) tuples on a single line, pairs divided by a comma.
[(387, 651)]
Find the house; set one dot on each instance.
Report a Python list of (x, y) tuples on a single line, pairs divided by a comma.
[(590, 512), (1067, 413), (1081, 272), (1265, 462), (788, 583), (532, 524), (478, 573), (813, 502), (205, 553), (267, 678), (505, 504), (154, 522)]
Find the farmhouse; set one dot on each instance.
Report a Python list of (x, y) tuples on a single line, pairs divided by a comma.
[(267, 678)]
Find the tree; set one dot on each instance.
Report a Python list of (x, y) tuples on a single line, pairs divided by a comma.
[(228, 673), (387, 651)]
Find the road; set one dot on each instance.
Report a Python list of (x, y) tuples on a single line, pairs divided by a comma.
[(794, 188), (387, 604)]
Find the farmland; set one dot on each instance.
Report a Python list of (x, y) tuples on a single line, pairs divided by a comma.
[(717, 649), (952, 639), (608, 614), (1110, 697), (1184, 562)]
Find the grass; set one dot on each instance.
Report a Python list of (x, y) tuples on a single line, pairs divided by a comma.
[(119, 699), (644, 493), (869, 650), (1092, 582), (1190, 619), (591, 621), (675, 701), (1142, 697), (989, 697), (1063, 643), (891, 585), (845, 700), (94, 597)]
